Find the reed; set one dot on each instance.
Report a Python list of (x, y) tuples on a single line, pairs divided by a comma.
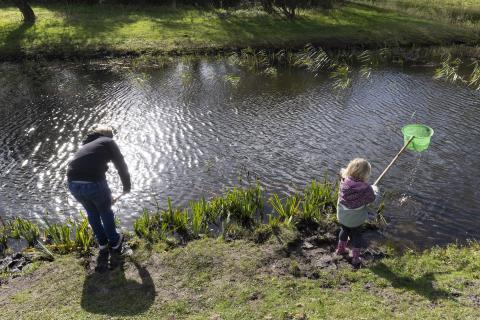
[(448, 70), (241, 205), (25, 229), (59, 235), (319, 201), (84, 238), (474, 80), (288, 211), (150, 227), (199, 214)]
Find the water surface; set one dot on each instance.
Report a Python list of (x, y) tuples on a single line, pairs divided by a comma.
[(186, 131)]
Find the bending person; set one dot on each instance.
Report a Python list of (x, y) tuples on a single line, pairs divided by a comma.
[(88, 184)]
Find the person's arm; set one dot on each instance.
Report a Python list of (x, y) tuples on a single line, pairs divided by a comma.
[(119, 162), (369, 195)]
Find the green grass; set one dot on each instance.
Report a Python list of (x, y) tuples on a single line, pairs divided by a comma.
[(214, 279), (77, 30), (464, 13)]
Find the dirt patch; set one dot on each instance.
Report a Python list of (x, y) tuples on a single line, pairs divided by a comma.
[(308, 255)]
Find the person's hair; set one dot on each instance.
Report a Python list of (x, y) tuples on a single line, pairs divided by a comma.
[(358, 168), (103, 129)]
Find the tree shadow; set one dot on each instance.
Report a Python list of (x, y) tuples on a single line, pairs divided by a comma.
[(15, 37), (423, 286), (111, 293)]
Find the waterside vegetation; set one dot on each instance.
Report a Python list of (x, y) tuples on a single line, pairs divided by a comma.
[(79, 30)]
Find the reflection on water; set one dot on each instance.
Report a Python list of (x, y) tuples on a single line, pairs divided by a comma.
[(187, 131)]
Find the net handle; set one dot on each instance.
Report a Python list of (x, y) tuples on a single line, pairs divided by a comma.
[(393, 161)]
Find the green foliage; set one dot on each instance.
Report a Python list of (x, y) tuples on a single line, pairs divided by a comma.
[(240, 205), (3, 239), (314, 59), (60, 235), (262, 233), (149, 226), (25, 229), (84, 238), (319, 201), (448, 70), (175, 218), (474, 79), (274, 223), (294, 269), (341, 76), (253, 60), (286, 211), (199, 215)]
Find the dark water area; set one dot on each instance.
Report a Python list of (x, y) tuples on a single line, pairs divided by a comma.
[(193, 128)]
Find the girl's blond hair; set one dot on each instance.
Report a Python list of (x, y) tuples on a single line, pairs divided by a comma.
[(358, 168)]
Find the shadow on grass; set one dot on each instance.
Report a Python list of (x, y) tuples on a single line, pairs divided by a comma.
[(111, 293), (15, 37), (423, 286)]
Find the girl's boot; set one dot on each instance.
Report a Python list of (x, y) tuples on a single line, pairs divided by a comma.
[(356, 261), (341, 248)]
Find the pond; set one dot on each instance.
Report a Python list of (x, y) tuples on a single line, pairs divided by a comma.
[(194, 128)]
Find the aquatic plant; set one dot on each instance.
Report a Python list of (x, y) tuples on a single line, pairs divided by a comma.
[(474, 79), (314, 59), (286, 211), (251, 59), (274, 223), (240, 204), (83, 235), (271, 72), (175, 218), (448, 70), (231, 79), (341, 76), (199, 213), (372, 59), (60, 235), (150, 227), (181, 221), (319, 201), (25, 229), (3, 239)]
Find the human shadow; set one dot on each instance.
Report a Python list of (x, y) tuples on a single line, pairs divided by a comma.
[(423, 286), (109, 292)]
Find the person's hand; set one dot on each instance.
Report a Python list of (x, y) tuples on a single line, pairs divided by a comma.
[(375, 188), (115, 199)]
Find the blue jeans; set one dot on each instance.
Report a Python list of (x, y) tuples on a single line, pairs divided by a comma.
[(96, 198)]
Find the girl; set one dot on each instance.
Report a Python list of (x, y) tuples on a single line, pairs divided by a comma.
[(355, 193)]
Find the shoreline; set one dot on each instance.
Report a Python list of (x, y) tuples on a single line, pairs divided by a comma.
[(82, 32)]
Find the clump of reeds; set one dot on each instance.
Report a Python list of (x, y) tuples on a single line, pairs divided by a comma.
[(149, 226), (59, 235), (24, 229), (286, 211)]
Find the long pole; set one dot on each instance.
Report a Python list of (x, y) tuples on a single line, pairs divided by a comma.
[(393, 161)]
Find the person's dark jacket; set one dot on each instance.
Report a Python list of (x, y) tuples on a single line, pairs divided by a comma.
[(90, 162)]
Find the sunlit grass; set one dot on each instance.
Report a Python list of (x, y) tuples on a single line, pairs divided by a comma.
[(77, 29), (465, 13)]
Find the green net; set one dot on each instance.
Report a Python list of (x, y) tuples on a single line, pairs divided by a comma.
[(421, 134)]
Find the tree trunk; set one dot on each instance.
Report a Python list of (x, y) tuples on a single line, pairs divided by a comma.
[(26, 10), (267, 6)]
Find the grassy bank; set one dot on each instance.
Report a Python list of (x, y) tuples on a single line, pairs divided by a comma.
[(215, 279), (76, 30), (458, 12), (282, 269)]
